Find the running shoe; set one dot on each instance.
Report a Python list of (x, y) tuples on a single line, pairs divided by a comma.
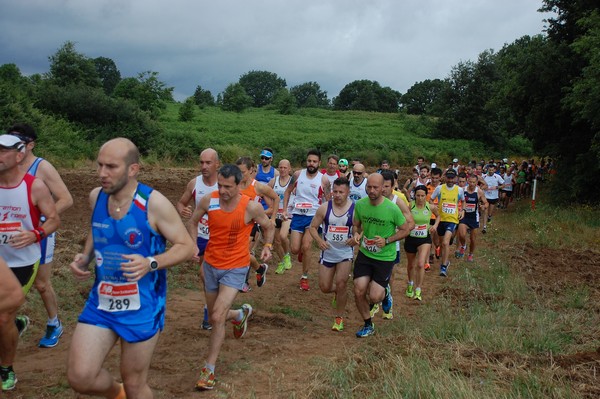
[(9, 379), (460, 253), (338, 324), (206, 325), (374, 310), (280, 268), (427, 267), (388, 315), (489, 220), (240, 327), (53, 333), (261, 276), (287, 261), (22, 322), (304, 284), (418, 294), (470, 258), (443, 270), (366, 331), (438, 252), (206, 381), (484, 230), (388, 301), (409, 291)]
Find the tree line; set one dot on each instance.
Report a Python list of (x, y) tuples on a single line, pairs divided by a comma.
[(540, 92)]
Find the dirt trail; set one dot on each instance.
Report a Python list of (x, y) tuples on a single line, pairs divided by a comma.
[(288, 337)]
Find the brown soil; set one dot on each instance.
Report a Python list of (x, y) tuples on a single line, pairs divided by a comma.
[(281, 348)]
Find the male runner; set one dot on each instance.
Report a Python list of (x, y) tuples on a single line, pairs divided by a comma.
[(331, 171), (44, 170), (470, 222), (343, 168), (227, 259), (197, 188), (336, 246), (279, 184), (449, 196), (377, 225), (311, 187), (266, 171), (131, 224), (358, 185), (494, 183), (23, 201)]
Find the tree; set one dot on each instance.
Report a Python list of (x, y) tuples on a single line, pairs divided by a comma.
[(310, 95), (149, 93), (285, 102), (261, 86), (108, 73), (367, 95), (235, 98), (186, 112), (423, 98), (203, 98), (67, 67)]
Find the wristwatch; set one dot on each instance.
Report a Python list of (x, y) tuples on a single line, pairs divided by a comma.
[(387, 241), (153, 264)]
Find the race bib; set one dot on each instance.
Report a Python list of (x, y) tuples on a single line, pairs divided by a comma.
[(369, 245), (279, 214), (118, 297), (419, 231), (470, 208), (303, 207), (337, 234), (449, 208), (203, 228), (7, 230)]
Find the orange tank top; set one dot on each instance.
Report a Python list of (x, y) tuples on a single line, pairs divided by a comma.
[(227, 247), (250, 191)]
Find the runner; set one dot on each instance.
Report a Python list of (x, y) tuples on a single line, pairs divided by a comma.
[(263, 193), (227, 259), (509, 180), (358, 185), (494, 183), (336, 247), (44, 170), (311, 187), (198, 187), (131, 224), (23, 199), (282, 227), (418, 244), (434, 182), (265, 171), (343, 168), (331, 171), (449, 196), (470, 222), (377, 224)]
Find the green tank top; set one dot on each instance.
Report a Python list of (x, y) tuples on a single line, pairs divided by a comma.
[(422, 217)]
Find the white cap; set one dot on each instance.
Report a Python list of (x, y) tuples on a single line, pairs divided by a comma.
[(10, 141), (433, 165), (455, 160)]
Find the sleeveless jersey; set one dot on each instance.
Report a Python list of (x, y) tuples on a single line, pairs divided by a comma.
[(472, 204), (129, 303), (336, 231), (448, 199), (18, 212), (250, 192), (200, 190), (34, 166), (280, 191), (358, 192), (308, 194), (265, 177), (421, 217), (228, 244), (507, 182), (331, 178)]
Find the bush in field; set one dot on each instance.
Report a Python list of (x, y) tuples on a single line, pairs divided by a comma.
[(203, 98), (285, 102), (262, 86), (186, 112), (235, 98)]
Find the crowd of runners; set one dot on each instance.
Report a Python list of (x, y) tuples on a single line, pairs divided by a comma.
[(243, 223)]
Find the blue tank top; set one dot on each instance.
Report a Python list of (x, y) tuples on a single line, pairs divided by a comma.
[(130, 303), (34, 166), (472, 204), (264, 177)]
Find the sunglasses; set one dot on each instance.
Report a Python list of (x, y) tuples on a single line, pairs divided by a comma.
[(263, 158), (357, 173)]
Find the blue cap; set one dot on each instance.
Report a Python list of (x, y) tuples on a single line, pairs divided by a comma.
[(265, 153)]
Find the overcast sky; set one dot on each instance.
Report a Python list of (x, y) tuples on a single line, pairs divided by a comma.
[(213, 43)]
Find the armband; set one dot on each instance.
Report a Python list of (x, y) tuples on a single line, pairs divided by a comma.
[(38, 236), (268, 245)]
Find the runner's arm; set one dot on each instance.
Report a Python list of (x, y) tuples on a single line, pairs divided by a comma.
[(183, 205), (326, 188), (314, 226), (407, 213), (288, 192), (271, 197), (80, 264), (256, 212), (48, 173)]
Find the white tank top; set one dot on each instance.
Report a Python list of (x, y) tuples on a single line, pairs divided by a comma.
[(280, 191), (308, 194), (358, 192), (337, 229), (200, 190), (18, 212)]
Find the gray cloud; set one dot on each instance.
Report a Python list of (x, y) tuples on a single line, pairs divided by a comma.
[(190, 43)]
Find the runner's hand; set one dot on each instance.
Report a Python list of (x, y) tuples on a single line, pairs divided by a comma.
[(22, 239), (323, 245), (186, 212), (136, 267), (79, 267), (265, 254)]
